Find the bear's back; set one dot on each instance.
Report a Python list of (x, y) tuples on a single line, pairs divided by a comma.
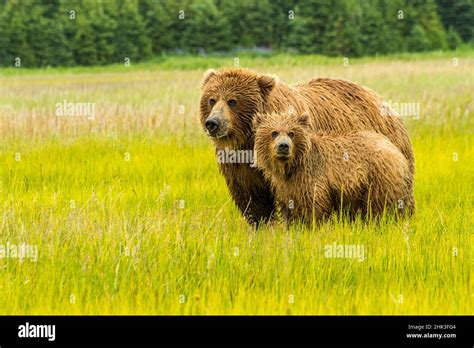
[(356, 156), (361, 144)]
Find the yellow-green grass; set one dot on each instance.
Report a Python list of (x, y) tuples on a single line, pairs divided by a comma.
[(131, 216)]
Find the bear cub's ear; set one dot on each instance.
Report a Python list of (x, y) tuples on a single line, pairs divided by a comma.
[(266, 83), (208, 75)]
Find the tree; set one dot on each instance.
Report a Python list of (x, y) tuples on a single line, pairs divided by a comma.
[(47, 35), (375, 35), (418, 41), (175, 19), (453, 38), (14, 35), (206, 28), (250, 22), (58, 48), (131, 40), (394, 14), (84, 49), (427, 17), (459, 15), (282, 15), (158, 23), (309, 26), (342, 35), (103, 25)]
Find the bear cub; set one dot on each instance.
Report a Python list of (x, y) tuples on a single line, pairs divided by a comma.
[(313, 174)]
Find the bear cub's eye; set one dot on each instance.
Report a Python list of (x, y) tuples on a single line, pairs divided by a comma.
[(274, 134), (232, 103), (291, 134), (212, 101)]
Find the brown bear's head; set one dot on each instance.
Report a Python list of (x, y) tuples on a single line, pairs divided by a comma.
[(230, 98), (281, 141)]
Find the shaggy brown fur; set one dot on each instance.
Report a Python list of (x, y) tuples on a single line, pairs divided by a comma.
[(314, 174), (233, 96)]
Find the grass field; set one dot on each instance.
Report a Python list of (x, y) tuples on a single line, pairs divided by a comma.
[(130, 215)]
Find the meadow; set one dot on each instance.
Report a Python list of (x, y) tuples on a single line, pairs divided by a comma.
[(130, 215)]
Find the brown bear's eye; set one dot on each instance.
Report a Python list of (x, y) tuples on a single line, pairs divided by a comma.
[(232, 103), (274, 135), (291, 134), (212, 102)]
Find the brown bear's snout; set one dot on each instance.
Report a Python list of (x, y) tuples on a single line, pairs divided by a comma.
[(282, 148), (212, 125), (217, 123)]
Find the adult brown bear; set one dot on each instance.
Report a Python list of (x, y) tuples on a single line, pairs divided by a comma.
[(232, 96)]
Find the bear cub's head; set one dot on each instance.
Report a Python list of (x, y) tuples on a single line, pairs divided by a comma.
[(281, 141), (229, 100)]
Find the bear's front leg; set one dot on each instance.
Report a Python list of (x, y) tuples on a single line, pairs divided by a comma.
[(321, 206), (250, 192), (255, 203)]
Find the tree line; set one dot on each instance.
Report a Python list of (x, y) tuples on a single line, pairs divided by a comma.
[(96, 32)]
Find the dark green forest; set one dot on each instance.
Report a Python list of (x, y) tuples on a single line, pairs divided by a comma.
[(96, 32)]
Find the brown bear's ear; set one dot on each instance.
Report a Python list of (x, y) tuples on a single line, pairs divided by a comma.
[(207, 76), (258, 118), (266, 83), (303, 120)]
